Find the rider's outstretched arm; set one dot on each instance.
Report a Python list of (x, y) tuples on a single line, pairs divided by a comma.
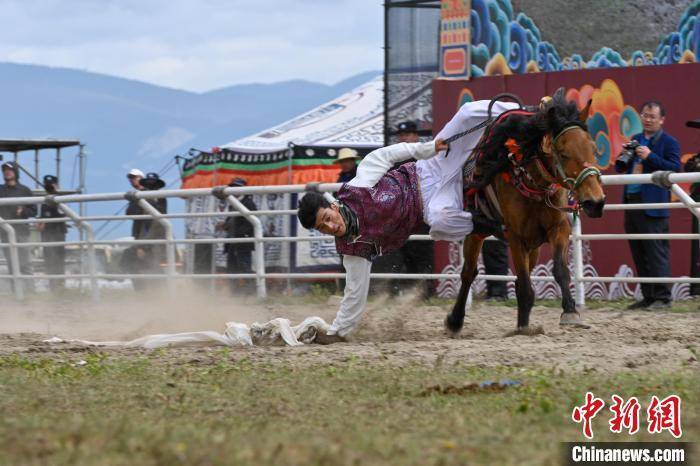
[(355, 296), (377, 163)]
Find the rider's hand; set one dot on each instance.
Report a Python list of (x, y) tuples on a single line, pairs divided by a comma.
[(441, 145)]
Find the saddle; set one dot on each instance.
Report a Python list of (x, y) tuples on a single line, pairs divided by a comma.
[(484, 202), (484, 207)]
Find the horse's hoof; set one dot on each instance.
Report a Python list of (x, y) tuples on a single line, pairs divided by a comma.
[(453, 330), (572, 319), (527, 331)]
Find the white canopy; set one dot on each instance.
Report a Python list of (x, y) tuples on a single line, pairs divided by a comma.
[(354, 119)]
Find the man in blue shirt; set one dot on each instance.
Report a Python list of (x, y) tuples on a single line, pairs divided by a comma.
[(657, 151)]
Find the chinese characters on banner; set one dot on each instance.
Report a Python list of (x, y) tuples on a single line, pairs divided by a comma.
[(661, 415), (455, 60)]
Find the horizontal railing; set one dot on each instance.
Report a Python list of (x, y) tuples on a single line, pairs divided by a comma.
[(229, 195)]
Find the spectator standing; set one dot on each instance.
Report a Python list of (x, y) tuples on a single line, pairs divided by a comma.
[(54, 256), (135, 176), (693, 165), (347, 159), (239, 255), (657, 150), (147, 258), (13, 188), (495, 255)]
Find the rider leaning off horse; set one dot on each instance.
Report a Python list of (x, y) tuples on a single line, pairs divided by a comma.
[(380, 208)]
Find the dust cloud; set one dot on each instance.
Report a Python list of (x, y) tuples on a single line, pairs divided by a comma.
[(125, 315)]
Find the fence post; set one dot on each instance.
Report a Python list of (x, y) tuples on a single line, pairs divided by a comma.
[(89, 239), (579, 285), (13, 266), (170, 240), (259, 256), (685, 199)]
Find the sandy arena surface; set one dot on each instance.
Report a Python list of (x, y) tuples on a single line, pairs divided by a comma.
[(397, 332)]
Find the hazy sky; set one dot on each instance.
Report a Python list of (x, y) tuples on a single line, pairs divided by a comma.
[(197, 44)]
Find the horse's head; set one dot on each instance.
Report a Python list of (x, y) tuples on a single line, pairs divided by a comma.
[(572, 153)]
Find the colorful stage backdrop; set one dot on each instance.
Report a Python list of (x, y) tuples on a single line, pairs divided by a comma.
[(508, 54), (503, 42)]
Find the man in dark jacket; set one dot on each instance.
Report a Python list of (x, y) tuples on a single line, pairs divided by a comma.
[(347, 159), (495, 255), (693, 165), (135, 176), (12, 188), (657, 151), (54, 256), (239, 255), (147, 258)]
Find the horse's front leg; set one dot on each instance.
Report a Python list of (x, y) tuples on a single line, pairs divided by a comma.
[(523, 285), (559, 240), (455, 319)]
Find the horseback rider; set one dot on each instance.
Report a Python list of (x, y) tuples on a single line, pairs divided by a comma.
[(380, 208)]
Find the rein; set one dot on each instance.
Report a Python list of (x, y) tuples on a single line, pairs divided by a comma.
[(487, 122)]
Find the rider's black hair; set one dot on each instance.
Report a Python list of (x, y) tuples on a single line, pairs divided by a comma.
[(309, 207)]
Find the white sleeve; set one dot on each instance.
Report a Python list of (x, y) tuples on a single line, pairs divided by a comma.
[(355, 297), (377, 163)]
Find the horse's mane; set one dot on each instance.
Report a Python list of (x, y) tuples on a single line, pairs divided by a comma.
[(527, 130)]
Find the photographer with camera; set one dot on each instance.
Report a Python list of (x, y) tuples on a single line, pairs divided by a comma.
[(649, 151), (693, 165)]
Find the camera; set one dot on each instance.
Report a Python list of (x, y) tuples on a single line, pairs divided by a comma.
[(693, 164), (628, 154)]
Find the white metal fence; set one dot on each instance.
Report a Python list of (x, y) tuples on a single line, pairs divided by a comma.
[(228, 194)]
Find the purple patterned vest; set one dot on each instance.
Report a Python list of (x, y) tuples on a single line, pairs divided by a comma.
[(387, 213)]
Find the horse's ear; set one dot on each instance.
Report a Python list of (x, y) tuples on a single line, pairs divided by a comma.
[(547, 144), (559, 94), (585, 111)]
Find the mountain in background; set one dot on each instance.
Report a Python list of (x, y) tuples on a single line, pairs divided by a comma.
[(126, 123)]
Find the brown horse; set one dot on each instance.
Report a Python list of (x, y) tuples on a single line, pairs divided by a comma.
[(533, 160)]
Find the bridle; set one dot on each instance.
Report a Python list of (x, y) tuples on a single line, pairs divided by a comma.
[(571, 183), (560, 178), (556, 181)]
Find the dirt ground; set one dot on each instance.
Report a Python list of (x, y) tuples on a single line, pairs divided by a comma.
[(399, 332)]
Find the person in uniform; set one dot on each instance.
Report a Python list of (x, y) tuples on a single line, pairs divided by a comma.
[(54, 256), (239, 255), (148, 257), (13, 188)]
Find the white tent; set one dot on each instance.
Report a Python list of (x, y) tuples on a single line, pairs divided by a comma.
[(354, 119)]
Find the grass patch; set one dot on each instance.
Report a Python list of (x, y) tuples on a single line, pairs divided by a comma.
[(145, 410)]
